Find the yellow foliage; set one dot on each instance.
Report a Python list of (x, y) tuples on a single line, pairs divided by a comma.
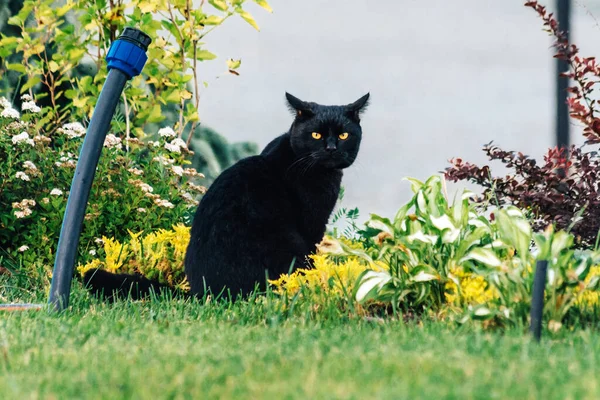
[(327, 276), (473, 289), (158, 255), (589, 298)]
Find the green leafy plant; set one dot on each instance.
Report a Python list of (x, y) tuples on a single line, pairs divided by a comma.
[(446, 261), (480, 267), (56, 39), (139, 185)]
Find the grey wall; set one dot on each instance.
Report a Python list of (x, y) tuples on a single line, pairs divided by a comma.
[(445, 78)]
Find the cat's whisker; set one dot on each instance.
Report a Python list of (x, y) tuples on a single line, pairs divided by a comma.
[(296, 163), (309, 166), (301, 165)]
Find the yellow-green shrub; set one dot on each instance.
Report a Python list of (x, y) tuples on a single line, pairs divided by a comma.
[(157, 255)]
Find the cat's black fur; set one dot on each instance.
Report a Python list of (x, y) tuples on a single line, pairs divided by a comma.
[(266, 212)]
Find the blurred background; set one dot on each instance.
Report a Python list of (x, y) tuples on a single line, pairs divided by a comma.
[(445, 78)]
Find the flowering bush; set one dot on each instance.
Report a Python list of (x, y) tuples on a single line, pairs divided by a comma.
[(139, 185)]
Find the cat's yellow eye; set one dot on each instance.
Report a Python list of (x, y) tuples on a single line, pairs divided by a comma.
[(316, 135), (343, 136)]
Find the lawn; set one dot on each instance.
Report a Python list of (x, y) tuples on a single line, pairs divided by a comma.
[(172, 349)]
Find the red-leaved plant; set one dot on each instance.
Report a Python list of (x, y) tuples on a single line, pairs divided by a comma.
[(564, 190)]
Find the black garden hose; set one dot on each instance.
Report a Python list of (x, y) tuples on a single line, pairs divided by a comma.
[(126, 58)]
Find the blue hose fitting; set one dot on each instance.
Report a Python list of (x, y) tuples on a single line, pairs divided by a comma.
[(128, 53)]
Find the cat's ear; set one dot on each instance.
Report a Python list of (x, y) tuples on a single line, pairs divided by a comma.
[(355, 109), (298, 107)]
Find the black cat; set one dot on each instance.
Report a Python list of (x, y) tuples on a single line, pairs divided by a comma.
[(266, 213)]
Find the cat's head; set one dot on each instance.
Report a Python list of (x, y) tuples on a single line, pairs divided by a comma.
[(328, 136)]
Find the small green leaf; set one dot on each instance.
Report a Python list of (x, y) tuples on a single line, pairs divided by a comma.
[(415, 184), (249, 19), (423, 276), (482, 313), (219, 4), (233, 64), (421, 237), (264, 4), (174, 96), (53, 65), (156, 114), (34, 80), (212, 20), (205, 55), (370, 283), (15, 20), (442, 222), (17, 67), (485, 256)]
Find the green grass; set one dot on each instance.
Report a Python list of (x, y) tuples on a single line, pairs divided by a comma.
[(171, 349)]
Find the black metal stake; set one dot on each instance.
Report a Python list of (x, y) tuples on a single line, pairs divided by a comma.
[(563, 10), (537, 299)]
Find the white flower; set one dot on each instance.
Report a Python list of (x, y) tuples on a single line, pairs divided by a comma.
[(177, 170), (30, 106), (22, 137), (4, 103), (24, 204), (172, 147), (10, 113), (112, 141), (179, 142), (23, 213), (92, 252), (136, 171), (42, 139), (56, 192), (154, 143), (22, 207), (45, 200), (98, 241), (26, 97), (192, 172), (197, 188), (166, 132), (164, 203), (72, 130), (146, 188), (29, 165), (141, 210), (188, 197), (23, 248), (22, 175), (176, 145), (163, 160)]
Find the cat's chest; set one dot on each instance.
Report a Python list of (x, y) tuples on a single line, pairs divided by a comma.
[(316, 196), (315, 200)]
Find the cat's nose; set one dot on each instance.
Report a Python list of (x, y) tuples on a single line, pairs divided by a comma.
[(330, 147)]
